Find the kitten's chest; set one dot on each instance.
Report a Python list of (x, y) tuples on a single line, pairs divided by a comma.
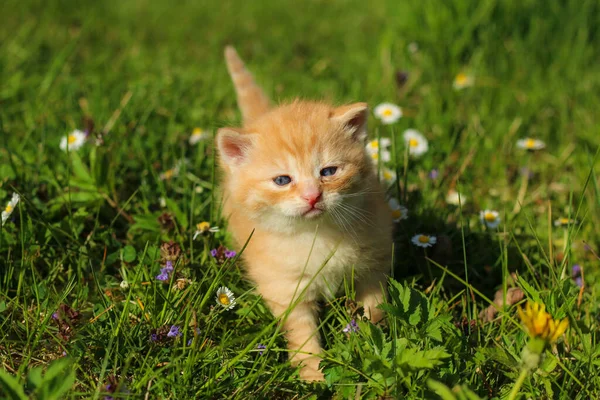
[(322, 263)]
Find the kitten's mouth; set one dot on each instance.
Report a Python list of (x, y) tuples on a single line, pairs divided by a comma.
[(313, 212)]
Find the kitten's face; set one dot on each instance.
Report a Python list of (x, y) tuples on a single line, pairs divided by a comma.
[(298, 163)]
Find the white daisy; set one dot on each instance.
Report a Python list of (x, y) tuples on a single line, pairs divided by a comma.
[(490, 218), (388, 113), (462, 81), (225, 298), (374, 145), (197, 135), (378, 148), (416, 142), (73, 141), (124, 285), (398, 212), (203, 228), (424, 240), (10, 207), (565, 222), (530, 144), (173, 172), (454, 198), (387, 175)]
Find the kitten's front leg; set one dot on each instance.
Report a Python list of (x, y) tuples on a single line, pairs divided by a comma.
[(371, 292), (302, 334)]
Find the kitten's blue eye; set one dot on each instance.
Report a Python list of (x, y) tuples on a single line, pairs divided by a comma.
[(328, 171), (282, 180)]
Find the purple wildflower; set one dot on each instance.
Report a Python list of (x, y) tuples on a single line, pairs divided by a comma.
[(214, 252), (154, 337), (55, 315), (163, 276), (230, 253), (261, 347), (351, 327), (576, 270), (174, 332), (168, 267), (433, 174)]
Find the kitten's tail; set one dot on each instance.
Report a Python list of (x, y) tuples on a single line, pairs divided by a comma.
[(251, 99)]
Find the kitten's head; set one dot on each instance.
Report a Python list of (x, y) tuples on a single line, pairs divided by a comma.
[(297, 163)]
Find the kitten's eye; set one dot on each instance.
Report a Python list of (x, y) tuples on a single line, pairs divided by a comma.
[(328, 171), (282, 180)]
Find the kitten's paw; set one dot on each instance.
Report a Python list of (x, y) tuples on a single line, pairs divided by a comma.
[(311, 374)]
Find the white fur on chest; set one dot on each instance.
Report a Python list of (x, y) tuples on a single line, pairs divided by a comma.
[(320, 263)]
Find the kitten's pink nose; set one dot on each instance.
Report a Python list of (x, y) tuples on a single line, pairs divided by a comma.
[(312, 197)]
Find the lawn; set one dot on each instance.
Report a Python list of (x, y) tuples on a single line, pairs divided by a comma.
[(83, 313)]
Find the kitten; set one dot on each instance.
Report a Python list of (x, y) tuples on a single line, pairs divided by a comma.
[(298, 179)]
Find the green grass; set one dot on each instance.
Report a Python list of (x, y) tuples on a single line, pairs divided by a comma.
[(148, 72)]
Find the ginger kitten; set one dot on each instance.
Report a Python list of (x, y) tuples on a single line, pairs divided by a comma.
[(298, 176)]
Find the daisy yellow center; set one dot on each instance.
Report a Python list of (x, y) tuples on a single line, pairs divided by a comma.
[(397, 213), (564, 221), (461, 79), (224, 299), (529, 143), (8, 208), (413, 142), (169, 174), (387, 112), (490, 217), (387, 175), (423, 239), (375, 144), (197, 132), (71, 139), (375, 156), (203, 226)]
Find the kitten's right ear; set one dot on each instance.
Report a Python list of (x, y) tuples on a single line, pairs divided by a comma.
[(234, 145)]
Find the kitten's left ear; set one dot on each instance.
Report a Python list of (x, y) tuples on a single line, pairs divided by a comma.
[(354, 119)]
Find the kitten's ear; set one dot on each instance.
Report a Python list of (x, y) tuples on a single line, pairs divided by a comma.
[(234, 145), (354, 118)]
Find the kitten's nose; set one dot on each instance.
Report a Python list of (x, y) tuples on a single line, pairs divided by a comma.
[(312, 197)]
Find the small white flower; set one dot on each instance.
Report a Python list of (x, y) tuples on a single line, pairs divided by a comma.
[(398, 212), (416, 142), (73, 141), (374, 145), (225, 298), (387, 175), (388, 113), (462, 81), (454, 198), (565, 222), (530, 144), (197, 135), (173, 172), (490, 218), (124, 285), (10, 207), (378, 148), (162, 202), (204, 228), (424, 240)]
